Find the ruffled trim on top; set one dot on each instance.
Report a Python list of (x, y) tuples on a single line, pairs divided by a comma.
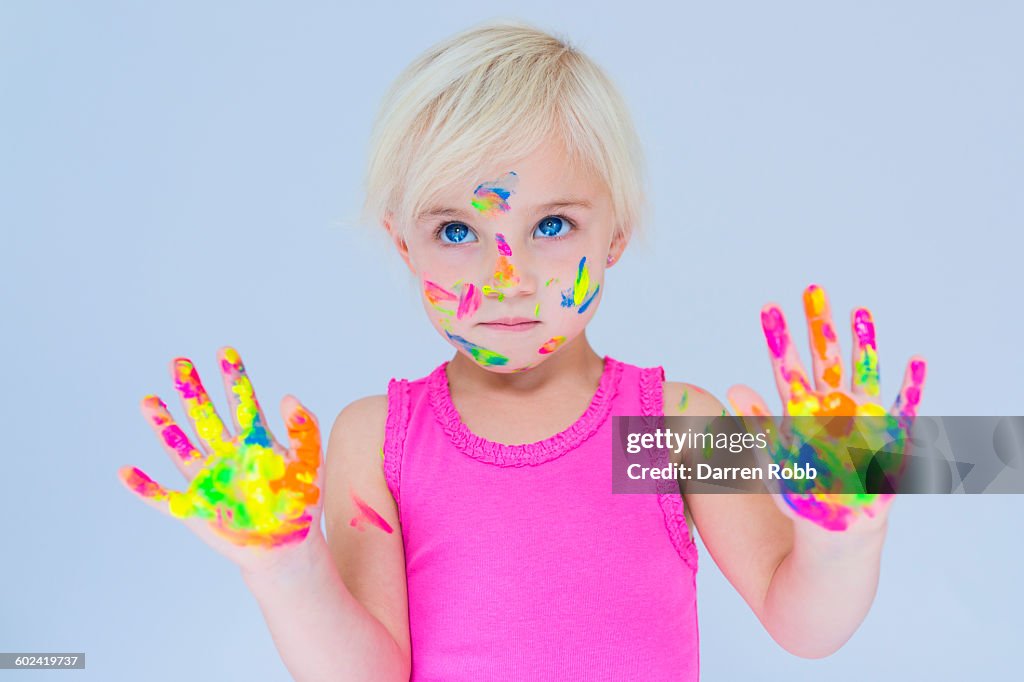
[(525, 454), (394, 436), (652, 402)]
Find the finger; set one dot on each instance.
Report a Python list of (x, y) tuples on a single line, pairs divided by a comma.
[(304, 445), (827, 367), (185, 455), (245, 409), (790, 377), (754, 412), (198, 406), (865, 355), (913, 384), (145, 488)]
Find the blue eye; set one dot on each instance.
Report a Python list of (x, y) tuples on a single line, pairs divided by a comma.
[(457, 233), (552, 226)]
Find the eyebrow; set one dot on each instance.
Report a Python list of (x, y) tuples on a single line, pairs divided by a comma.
[(444, 212)]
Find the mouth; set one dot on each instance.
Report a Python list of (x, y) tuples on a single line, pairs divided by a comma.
[(510, 324)]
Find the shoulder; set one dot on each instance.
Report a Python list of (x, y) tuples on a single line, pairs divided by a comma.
[(683, 398), (361, 421), (356, 441)]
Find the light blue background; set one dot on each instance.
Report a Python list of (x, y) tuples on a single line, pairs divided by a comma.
[(178, 176)]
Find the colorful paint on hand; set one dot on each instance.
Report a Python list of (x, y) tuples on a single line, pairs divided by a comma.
[(491, 198), (580, 295), (825, 444), (910, 394), (801, 398), (823, 336), (865, 368), (683, 400), (174, 439), (551, 345), (250, 490), (487, 358), (367, 515)]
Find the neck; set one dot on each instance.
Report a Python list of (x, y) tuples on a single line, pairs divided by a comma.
[(575, 362)]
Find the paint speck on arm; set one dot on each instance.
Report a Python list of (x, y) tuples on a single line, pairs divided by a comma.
[(367, 515)]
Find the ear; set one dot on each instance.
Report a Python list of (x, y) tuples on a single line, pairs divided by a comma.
[(618, 245), (398, 240)]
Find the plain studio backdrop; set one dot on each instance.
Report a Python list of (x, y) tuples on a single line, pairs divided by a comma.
[(180, 176)]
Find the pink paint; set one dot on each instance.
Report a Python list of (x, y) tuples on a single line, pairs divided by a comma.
[(503, 248), (369, 515), (551, 345), (864, 328), (436, 292), (774, 327), (469, 301), (917, 372)]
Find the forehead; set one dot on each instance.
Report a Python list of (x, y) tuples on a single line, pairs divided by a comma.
[(545, 176)]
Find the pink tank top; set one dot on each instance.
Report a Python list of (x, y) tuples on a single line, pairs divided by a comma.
[(521, 563)]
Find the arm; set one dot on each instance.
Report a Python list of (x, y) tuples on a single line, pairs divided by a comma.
[(810, 588), (338, 609), (258, 502)]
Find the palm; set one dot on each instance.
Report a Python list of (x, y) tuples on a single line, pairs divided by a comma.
[(246, 492), (810, 430)]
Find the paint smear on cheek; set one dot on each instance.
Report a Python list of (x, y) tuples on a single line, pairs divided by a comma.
[(487, 358), (436, 293), (469, 300), (491, 198), (368, 514), (551, 345), (580, 295)]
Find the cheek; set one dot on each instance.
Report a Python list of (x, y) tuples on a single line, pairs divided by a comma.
[(447, 303), (578, 291)]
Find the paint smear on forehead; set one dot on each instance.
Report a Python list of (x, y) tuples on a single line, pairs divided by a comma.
[(491, 198)]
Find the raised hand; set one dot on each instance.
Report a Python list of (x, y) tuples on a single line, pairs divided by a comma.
[(810, 433), (246, 493)]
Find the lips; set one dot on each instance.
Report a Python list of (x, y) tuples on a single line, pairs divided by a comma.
[(510, 324)]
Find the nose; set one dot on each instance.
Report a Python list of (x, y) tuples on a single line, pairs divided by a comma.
[(511, 275)]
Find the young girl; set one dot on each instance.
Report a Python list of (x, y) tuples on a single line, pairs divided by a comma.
[(471, 529)]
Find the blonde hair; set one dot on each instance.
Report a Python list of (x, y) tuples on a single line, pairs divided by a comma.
[(491, 95)]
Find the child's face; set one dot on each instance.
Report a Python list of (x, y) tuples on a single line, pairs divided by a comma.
[(511, 266)]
